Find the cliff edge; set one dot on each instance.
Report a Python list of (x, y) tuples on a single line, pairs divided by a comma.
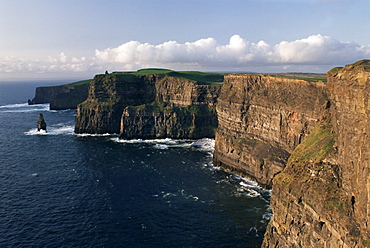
[(143, 105), (66, 96), (262, 119), (321, 198)]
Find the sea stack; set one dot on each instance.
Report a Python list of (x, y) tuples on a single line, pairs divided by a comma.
[(41, 124)]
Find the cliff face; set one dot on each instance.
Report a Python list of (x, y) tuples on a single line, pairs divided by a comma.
[(123, 103), (108, 95), (61, 97), (47, 94), (157, 122), (261, 120), (71, 98), (183, 92), (321, 197)]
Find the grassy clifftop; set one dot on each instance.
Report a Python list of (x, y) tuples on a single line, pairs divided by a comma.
[(203, 78)]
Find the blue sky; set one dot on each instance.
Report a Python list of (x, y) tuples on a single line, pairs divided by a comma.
[(80, 38)]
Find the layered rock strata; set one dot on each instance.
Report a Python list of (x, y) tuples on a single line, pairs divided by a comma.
[(321, 199), (152, 106), (66, 96), (108, 96), (261, 120), (157, 122)]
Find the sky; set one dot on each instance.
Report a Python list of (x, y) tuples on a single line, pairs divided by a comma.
[(76, 39)]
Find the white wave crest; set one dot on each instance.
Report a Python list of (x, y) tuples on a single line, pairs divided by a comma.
[(206, 144), (181, 194), (54, 130), (249, 192), (94, 135), (24, 108), (17, 105)]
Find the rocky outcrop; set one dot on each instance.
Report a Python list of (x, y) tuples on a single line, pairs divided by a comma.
[(108, 95), (47, 94), (71, 98), (157, 122), (321, 199), (151, 106), (183, 109), (41, 124), (66, 96), (261, 120), (183, 92)]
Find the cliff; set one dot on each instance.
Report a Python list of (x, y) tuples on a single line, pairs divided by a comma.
[(261, 120), (306, 139), (158, 122), (143, 105), (108, 96), (321, 198), (66, 96)]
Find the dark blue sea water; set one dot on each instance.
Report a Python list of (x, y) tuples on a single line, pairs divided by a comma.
[(58, 189)]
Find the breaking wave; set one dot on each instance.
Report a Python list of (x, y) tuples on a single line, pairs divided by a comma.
[(53, 130), (205, 144), (94, 135), (245, 187), (24, 108)]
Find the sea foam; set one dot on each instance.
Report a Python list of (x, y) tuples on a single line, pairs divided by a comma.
[(24, 108), (53, 130), (206, 144)]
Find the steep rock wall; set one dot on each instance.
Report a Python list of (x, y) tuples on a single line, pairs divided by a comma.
[(261, 120), (47, 94), (71, 98), (184, 92), (105, 109), (66, 96), (321, 199), (108, 96), (157, 122), (184, 109)]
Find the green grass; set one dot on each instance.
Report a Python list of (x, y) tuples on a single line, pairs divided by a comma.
[(317, 145), (362, 63), (314, 148), (203, 78), (309, 79), (335, 69), (80, 82), (149, 71)]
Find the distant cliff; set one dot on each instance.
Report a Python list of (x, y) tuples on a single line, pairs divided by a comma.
[(108, 96), (261, 120), (158, 122), (66, 96), (321, 198), (145, 105)]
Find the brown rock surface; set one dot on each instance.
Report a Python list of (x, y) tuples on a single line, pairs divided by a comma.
[(183, 92), (321, 199), (261, 120), (110, 94), (158, 122)]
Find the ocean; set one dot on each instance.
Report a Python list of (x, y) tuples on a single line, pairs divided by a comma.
[(59, 189)]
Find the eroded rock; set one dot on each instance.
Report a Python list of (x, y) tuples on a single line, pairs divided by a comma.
[(41, 124)]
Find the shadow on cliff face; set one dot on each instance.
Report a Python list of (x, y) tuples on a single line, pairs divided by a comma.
[(261, 121)]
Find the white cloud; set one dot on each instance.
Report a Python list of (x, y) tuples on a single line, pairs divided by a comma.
[(237, 54), (316, 53)]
